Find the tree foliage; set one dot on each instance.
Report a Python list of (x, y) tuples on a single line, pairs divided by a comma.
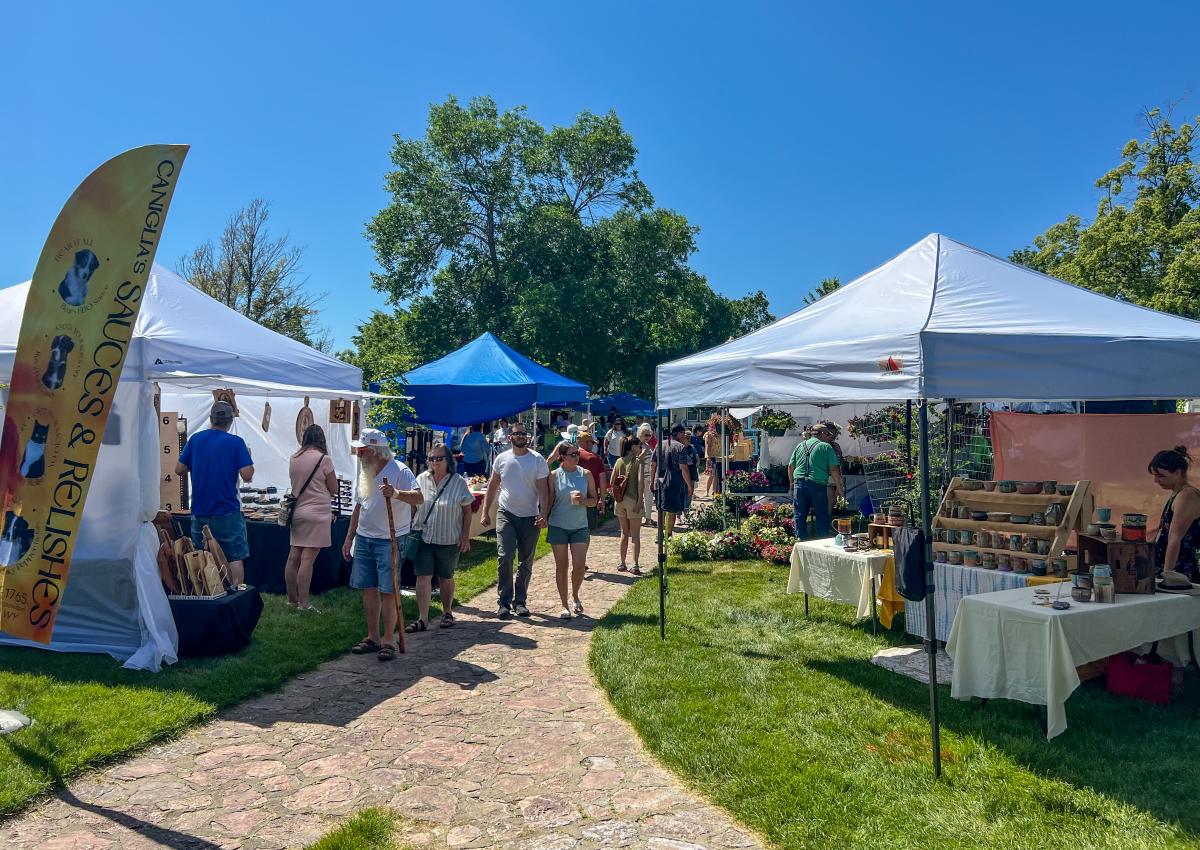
[(1144, 243), (826, 287), (257, 274), (547, 238)]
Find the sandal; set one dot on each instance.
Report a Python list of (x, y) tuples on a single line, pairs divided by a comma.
[(416, 626), (447, 620), (364, 646), (622, 568), (577, 607), (387, 652)]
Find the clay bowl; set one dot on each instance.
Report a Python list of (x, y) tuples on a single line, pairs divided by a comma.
[(998, 516), (969, 484), (979, 516), (1029, 488), (989, 486), (1065, 489), (1008, 486), (1018, 519)]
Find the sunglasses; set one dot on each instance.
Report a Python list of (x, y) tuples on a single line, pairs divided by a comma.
[(437, 457), (570, 454)]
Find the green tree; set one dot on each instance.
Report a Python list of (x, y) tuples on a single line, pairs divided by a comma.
[(548, 238), (259, 275), (1144, 243), (381, 359), (827, 286)]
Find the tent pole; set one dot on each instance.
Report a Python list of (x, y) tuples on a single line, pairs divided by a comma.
[(949, 440), (931, 636), (908, 435), (533, 433), (724, 462), (661, 455)]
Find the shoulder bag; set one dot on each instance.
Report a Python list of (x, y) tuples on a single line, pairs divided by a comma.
[(620, 483), (287, 505), (412, 543)]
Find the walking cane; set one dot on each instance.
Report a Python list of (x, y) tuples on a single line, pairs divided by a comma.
[(395, 571)]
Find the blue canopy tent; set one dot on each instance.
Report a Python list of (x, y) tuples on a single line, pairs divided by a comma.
[(485, 379), (625, 403)]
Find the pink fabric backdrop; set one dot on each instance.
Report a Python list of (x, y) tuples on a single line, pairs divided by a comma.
[(1110, 450)]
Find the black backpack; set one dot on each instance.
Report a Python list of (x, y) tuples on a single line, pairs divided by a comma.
[(908, 544)]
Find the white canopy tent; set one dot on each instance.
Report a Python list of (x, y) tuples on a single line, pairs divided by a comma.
[(189, 344), (946, 321)]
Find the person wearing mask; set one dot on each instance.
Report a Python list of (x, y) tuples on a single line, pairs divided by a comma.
[(644, 436), (1179, 529), (519, 478), (812, 467), (627, 473), (444, 520), (314, 484), (614, 439), (671, 475), (216, 460), (474, 451), (381, 479), (572, 492)]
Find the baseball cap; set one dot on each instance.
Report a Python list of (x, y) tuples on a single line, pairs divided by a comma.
[(678, 427), (369, 437), (221, 413)]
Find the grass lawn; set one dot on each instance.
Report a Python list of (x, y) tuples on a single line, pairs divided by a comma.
[(370, 829), (90, 710), (784, 722)]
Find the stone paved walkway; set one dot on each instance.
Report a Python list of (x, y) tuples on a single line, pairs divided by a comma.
[(491, 734)]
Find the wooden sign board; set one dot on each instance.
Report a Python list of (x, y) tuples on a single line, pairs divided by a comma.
[(170, 490), (339, 411)]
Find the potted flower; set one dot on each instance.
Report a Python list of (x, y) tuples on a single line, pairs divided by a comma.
[(758, 482), (738, 482), (775, 422)]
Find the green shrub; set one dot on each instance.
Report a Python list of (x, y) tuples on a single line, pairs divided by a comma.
[(692, 546)]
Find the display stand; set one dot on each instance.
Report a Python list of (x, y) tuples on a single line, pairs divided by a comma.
[(880, 534), (1075, 507)]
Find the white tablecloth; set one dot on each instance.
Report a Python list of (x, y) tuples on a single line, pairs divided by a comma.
[(477, 518), (826, 571), (952, 583), (1004, 646)]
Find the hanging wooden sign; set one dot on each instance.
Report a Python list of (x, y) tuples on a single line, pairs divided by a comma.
[(229, 396), (356, 420), (303, 420), (339, 411), (266, 423)]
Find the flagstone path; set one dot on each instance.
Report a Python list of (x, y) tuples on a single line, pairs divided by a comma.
[(490, 734)]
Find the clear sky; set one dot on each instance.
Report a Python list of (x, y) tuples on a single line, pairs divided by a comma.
[(805, 140)]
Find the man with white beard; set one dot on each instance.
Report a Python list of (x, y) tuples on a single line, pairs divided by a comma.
[(372, 570)]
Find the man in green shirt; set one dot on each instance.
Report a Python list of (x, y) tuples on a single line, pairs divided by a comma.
[(813, 465)]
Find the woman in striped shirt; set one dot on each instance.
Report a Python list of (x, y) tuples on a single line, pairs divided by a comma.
[(444, 520)]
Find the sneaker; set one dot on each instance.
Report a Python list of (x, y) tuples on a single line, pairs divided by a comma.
[(565, 614), (502, 612), (520, 610)]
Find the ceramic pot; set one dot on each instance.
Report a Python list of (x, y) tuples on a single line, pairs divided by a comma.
[(1029, 488), (1043, 547), (1037, 518), (1054, 514), (1029, 545), (1008, 486), (1065, 489), (1004, 563), (998, 516), (987, 560), (966, 537), (979, 516), (1081, 580), (956, 557), (1020, 565), (971, 558), (1103, 515), (952, 535), (1134, 520), (1093, 529), (989, 486), (1049, 487), (999, 540), (984, 538), (963, 512), (1109, 534), (939, 535), (1081, 594), (1014, 542), (1038, 567), (940, 556), (1060, 567)]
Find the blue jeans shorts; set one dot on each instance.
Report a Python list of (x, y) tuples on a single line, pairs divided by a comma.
[(372, 567), (228, 529), (556, 536)]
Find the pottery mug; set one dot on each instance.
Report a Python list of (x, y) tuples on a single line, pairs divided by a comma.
[(939, 556), (971, 558), (1029, 544), (952, 535), (956, 557), (1014, 542), (1020, 565), (1060, 567), (1037, 518), (1049, 487), (1004, 562), (1103, 514), (1043, 547), (966, 537), (984, 538), (988, 560), (963, 512)]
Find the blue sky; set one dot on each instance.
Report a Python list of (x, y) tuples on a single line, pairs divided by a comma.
[(805, 140)]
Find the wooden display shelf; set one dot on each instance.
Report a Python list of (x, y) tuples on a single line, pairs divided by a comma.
[(962, 547), (988, 525), (1009, 498)]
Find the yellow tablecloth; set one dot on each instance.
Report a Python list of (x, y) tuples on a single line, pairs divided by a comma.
[(891, 602)]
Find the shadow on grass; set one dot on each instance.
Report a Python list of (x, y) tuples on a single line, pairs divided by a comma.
[(1109, 738)]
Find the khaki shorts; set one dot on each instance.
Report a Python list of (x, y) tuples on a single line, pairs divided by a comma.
[(629, 509)]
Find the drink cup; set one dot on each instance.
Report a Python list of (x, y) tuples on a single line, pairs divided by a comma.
[(576, 497)]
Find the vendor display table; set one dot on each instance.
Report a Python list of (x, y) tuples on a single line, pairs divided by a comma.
[(952, 583), (821, 569), (216, 626), (270, 543), (1005, 646), (477, 527)]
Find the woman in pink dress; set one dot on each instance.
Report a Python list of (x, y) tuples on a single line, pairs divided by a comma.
[(312, 516)]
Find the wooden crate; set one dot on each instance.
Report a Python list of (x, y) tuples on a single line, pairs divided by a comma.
[(1132, 563), (880, 534)]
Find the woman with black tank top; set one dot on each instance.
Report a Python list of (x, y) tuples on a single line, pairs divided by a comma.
[(1179, 530)]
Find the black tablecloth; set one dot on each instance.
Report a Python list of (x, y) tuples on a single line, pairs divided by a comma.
[(216, 626), (269, 546)]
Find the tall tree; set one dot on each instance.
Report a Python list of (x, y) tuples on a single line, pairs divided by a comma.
[(259, 275), (825, 287), (548, 238), (1144, 243)]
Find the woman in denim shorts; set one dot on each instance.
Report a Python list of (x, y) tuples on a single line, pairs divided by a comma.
[(572, 492)]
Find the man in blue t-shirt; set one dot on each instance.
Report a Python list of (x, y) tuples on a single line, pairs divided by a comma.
[(216, 458), (474, 449)]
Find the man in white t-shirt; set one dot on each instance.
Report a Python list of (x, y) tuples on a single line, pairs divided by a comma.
[(522, 479), (380, 478)]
